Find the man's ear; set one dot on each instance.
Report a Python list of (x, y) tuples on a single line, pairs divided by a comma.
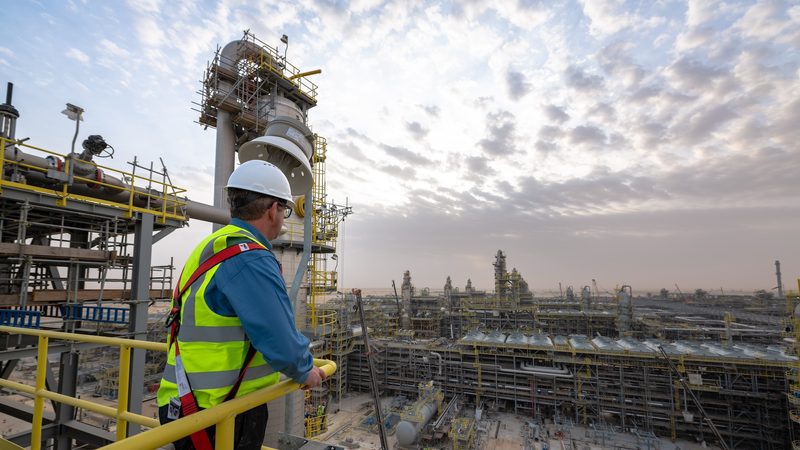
[(273, 211)]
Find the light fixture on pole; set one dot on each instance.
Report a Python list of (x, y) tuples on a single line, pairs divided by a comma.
[(74, 113), (285, 40)]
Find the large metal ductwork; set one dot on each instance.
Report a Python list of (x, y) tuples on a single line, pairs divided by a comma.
[(287, 143)]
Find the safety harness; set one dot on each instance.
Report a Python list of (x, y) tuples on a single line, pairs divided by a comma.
[(189, 406)]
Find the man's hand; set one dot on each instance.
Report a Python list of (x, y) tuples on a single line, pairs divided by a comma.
[(314, 378)]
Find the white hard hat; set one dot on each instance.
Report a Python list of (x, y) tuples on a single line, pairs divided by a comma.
[(262, 177)]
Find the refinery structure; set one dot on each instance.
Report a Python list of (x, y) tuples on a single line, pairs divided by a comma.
[(82, 309)]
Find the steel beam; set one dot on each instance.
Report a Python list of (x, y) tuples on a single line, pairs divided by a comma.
[(8, 368), (23, 439), (83, 433), (50, 381), (140, 297), (22, 411), (30, 352), (162, 234), (67, 385), (87, 434)]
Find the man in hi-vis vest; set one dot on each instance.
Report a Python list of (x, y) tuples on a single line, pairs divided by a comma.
[(232, 327)]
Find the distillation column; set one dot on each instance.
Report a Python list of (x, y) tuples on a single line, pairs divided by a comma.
[(258, 105)]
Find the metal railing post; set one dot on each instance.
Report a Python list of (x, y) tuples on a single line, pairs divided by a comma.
[(38, 402), (225, 431), (222, 415), (122, 390)]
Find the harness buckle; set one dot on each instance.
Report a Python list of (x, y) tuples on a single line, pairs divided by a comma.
[(173, 315)]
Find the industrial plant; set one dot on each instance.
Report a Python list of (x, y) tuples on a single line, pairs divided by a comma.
[(663, 365), (82, 312)]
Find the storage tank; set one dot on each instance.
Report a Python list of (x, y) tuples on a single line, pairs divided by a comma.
[(416, 416), (408, 431)]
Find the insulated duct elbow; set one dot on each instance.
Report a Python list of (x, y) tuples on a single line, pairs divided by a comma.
[(288, 144)]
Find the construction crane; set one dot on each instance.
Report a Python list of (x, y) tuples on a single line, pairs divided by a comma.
[(682, 297), (397, 301), (694, 398), (373, 378)]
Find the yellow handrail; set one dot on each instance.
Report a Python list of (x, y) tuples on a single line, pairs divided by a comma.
[(171, 207), (222, 415)]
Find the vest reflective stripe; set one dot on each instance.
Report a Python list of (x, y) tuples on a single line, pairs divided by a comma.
[(220, 379), (213, 347), (190, 332), (212, 334)]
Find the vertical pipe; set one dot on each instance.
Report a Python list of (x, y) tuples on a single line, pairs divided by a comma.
[(778, 276), (302, 267), (122, 390), (38, 402), (225, 156), (9, 92), (77, 128)]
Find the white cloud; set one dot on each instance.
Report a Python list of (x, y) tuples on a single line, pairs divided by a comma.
[(149, 32), (769, 20), (78, 55), (525, 16), (145, 6), (110, 48), (701, 11), (609, 103), (607, 16)]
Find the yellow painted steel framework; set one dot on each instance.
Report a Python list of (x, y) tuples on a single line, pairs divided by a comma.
[(582, 361), (792, 302), (587, 361), (462, 433), (270, 59), (323, 238), (171, 206), (321, 281), (222, 415)]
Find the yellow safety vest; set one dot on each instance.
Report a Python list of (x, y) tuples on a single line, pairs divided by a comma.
[(213, 347)]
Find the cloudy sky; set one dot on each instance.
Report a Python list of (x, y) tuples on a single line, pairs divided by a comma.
[(645, 143)]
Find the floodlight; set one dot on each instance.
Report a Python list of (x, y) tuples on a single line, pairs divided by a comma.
[(73, 112)]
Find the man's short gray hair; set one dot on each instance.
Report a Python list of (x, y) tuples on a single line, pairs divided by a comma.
[(248, 205)]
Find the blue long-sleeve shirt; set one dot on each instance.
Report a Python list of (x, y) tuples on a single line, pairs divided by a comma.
[(250, 286)]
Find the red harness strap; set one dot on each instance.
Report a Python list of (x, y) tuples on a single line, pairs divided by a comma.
[(200, 438)]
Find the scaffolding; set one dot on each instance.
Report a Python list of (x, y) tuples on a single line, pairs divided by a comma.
[(592, 382), (247, 87), (462, 433), (63, 254), (322, 283), (547, 357), (793, 374), (75, 255)]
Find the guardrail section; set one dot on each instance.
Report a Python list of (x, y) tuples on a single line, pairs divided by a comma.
[(222, 415)]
